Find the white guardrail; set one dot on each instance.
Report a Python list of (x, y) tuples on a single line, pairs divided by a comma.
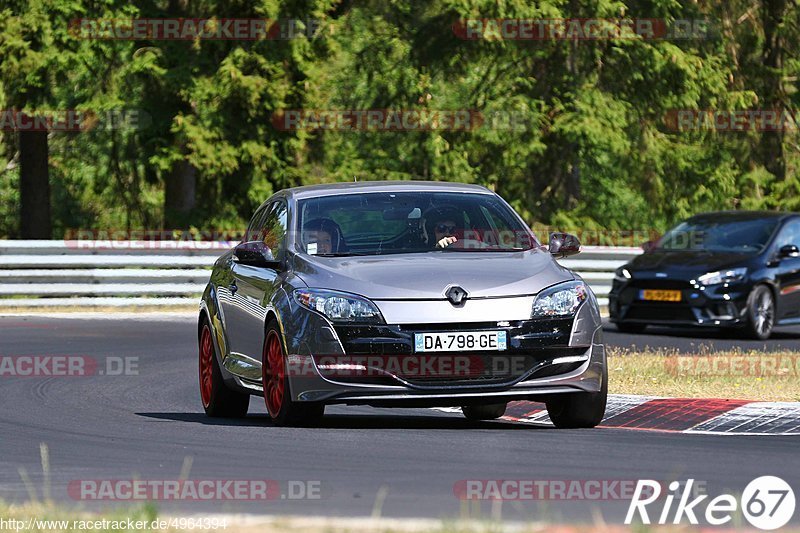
[(125, 273)]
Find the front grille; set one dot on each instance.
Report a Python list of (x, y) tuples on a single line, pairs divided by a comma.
[(430, 369), (476, 369), (675, 312), (398, 339), (446, 369), (385, 349)]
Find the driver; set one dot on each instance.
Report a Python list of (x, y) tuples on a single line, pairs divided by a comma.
[(321, 236), (441, 223)]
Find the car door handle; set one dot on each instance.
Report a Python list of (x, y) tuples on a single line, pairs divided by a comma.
[(233, 288)]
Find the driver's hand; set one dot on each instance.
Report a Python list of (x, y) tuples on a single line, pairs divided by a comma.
[(445, 242)]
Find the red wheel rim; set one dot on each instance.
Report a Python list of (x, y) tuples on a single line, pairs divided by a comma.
[(273, 374), (206, 365)]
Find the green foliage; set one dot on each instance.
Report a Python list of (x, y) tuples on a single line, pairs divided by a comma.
[(570, 133)]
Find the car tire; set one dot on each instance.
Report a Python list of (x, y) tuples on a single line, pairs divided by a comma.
[(760, 313), (484, 412), (218, 400), (628, 327), (579, 409), (275, 380)]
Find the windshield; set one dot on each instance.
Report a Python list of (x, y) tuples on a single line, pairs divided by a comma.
[(743, 236), (409, 222)]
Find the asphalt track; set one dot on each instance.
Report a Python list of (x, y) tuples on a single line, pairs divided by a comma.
[(145, 425), (693, 340)]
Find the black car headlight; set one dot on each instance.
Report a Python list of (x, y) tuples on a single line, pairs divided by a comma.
[(622, 274), (561, 300), (341, 307), (723, 276)]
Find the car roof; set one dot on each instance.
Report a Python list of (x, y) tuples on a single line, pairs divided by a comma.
[(734, 216), (330, 189)]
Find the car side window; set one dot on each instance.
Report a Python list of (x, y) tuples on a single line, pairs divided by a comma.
[(790, 234), (257, 223), (273, 230)]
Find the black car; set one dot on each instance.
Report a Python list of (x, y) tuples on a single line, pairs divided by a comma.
[(737, 269)]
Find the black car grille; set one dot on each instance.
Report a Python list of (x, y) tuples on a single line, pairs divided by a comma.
[(430, 370), (388, 353), (650, 311), (399, 339), (447, 369), (482, 369)]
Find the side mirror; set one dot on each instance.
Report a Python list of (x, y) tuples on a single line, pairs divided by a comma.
[(254, 253), (649, 246), (788, 250), (564, 244)]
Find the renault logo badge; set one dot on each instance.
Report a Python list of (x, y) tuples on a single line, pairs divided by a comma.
[(456, 295)]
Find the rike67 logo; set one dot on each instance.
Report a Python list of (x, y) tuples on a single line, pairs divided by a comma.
[(767, 503)]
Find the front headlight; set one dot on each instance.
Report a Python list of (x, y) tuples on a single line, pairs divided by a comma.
[(722, 276), (622, 274), (339, 306), (561, 300)]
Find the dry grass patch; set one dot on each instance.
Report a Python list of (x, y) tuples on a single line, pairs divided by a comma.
[(734, 374)]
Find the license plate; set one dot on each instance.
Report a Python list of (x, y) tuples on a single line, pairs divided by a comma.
[(660, 295), (460, 341)]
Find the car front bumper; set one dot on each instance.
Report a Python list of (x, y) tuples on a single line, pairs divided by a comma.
[(353, 364), (711, 306)]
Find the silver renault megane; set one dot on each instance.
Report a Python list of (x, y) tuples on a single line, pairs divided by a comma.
[(406, 294)]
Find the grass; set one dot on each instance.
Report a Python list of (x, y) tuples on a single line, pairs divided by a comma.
[(720, 374), (116, 521), (50, 518)]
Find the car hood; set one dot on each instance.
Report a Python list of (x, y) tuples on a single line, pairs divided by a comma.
[(689, 263), (427, 275)]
